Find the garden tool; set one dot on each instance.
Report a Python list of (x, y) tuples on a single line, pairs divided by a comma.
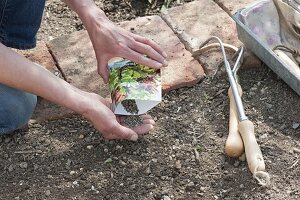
[(289, 22), (241, 130)]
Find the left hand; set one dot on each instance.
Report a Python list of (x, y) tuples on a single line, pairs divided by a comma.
[(111, 41)]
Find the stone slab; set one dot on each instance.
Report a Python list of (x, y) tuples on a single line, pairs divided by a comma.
[(75, 56), (41, 56), (196, 21), (183, 70)]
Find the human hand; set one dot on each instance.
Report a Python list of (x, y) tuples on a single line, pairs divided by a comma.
[(111, 41), (111, 126)]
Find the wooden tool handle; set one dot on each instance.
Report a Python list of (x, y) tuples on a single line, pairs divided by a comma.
[(234, 144), (253, 153), (292, 66)]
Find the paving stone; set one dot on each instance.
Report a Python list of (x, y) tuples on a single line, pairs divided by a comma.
[(231, 7), (196, 21), (76, 58), (41, 56), (183, 70)]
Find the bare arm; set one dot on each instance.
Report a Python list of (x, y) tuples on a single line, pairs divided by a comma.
[(18, 72)]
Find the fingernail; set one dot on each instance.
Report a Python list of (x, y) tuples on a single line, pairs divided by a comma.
[(165, 63), (134, 137), (164, 54)]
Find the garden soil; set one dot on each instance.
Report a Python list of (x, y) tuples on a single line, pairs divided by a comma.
[(182, 158)]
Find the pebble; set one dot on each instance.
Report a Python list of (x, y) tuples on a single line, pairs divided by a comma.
[(269, 105), (89, 147), (105, 150), (122, 163), (81, 136), (47, 193), (154, 160), (72, 173), (242, 186), (202, 189), (296, 150), (75, 183), (166, 197), (236, 163), (10, 168), (118, 147), (23, 165), (7, 139), (178, 164), (295, 125)]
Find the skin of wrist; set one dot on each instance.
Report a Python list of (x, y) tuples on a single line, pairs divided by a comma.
[(92, 16)]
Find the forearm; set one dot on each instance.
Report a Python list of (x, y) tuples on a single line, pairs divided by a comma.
[(18, 72)]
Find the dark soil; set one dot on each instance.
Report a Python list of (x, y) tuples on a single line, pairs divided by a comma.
[(183, 158)]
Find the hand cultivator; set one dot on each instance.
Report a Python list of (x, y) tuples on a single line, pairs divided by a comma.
[(241, 137)]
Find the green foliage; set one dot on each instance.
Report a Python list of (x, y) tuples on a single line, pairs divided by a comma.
[(127, 82)]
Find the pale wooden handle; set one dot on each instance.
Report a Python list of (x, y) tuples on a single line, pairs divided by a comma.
[(292, 66), (253, 153), (234, 144)]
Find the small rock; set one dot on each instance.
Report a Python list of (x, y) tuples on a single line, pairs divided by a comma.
[(148, 170), (47, 193), (236, 163), (295, 125), (132, 187), (242, 186), (202, 189), (72, 173), (75, 183), (178, 164), (296, 150), (122, 163), (7, 140), (81, 136), (264, 136), (88, 186), (154, 160), (89, 147), (10, 168), (242, 157), (269, 105), (166, 197), (118, 147), (23, 165), (190, 186), (105, 150)]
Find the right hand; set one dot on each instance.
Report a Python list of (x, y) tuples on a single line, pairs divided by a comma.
[(111, 126)]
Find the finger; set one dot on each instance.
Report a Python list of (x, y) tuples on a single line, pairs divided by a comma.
[(103, 70), (151, 43), (149, 121), (143, 129), (139, 58), (149, 51), (121, 132)]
